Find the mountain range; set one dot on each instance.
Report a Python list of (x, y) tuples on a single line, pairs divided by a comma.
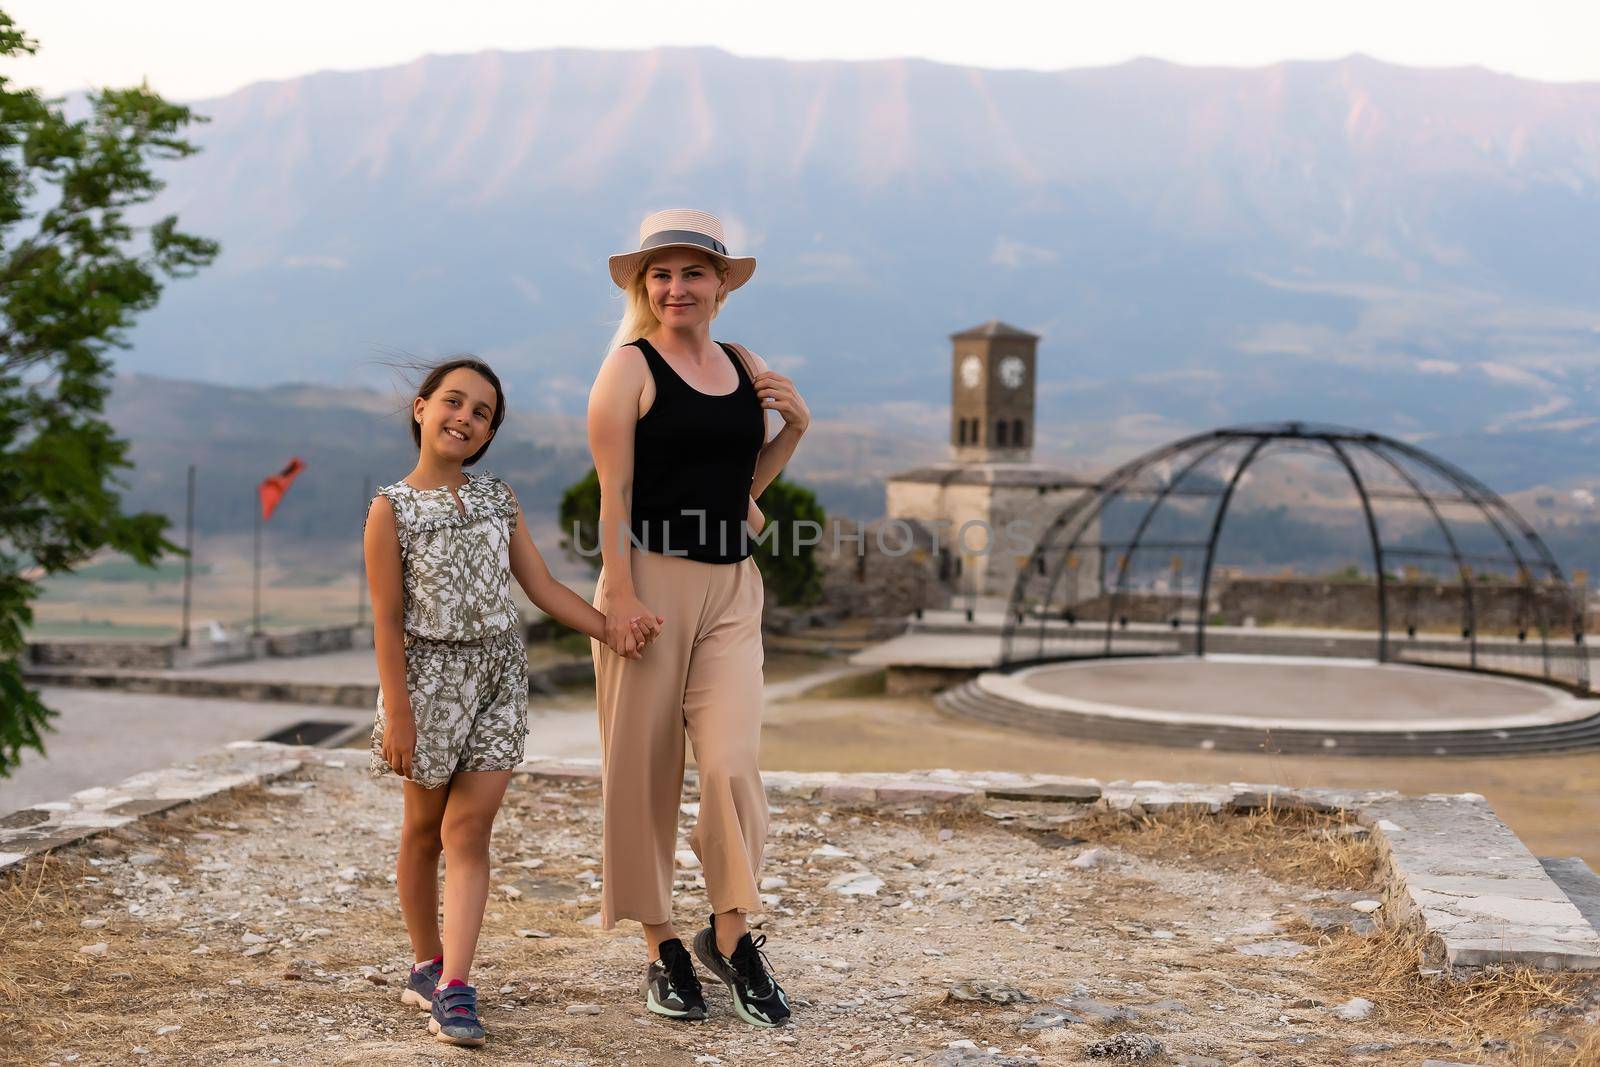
[(1410, 251)]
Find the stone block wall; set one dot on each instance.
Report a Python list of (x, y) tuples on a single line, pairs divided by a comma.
[(987, 559), (160, 656), (865, 581), (123, 655), (1436, 607), (310, 642)]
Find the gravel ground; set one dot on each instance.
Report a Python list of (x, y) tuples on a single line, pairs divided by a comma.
[(261, 928)]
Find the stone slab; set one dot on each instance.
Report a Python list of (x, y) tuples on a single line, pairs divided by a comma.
[(1065, 790), (1580, 883), (92, 811), (586, 770), (1461, 874)]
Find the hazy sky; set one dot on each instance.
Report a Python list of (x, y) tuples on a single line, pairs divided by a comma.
[(197, 48)]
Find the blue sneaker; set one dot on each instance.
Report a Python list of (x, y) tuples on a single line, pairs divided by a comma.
[(455, 1016), (421, 983)]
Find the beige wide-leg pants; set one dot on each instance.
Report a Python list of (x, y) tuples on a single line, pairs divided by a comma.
[(702, 676)]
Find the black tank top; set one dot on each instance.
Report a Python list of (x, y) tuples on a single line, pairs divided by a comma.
[(694, 459)]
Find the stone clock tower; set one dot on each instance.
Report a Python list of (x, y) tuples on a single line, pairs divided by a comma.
[(991, 479), (992, 394)]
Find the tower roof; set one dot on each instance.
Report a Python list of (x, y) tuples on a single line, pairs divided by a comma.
[(991, 329)]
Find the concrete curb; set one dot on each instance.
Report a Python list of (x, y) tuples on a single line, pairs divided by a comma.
[(46, 827), (541, 681), (1451, 868)]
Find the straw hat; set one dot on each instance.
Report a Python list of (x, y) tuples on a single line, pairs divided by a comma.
[(681, 228)]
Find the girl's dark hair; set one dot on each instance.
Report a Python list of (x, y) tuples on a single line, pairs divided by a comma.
[(430, 385)]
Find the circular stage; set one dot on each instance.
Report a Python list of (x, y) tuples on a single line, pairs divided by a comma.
[(1255, 703)]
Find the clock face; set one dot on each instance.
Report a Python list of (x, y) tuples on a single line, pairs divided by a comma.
[(971, 372), (1012, 371)]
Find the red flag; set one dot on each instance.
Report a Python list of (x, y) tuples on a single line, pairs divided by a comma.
[(271, 489)]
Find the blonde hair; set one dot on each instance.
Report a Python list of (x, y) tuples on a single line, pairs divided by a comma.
[(639, 318)]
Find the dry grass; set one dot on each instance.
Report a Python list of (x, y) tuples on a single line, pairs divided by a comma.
[(850, 687), (1287, 844), (1517, 1004), (51, 993), (1587, 1053), (1520, 1005)]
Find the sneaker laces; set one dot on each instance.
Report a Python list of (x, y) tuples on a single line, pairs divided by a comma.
[(752, 966), (680, 971)]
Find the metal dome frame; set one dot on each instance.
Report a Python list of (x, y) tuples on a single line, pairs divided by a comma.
[(1040, 625)]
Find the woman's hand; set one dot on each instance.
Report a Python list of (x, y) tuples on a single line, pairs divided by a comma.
[(778, 394), (399, 740), (630, 625)]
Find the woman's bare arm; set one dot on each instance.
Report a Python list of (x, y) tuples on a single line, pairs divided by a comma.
[(613, 414), (785, 399)]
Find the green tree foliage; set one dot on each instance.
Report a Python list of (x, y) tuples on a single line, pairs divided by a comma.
[(788, 566), (788, 560), (580, 520), (74, 271)]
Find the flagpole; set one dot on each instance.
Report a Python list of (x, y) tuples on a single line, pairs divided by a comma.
[(361, 563), (278, 484), (257, 626), (188, 559)]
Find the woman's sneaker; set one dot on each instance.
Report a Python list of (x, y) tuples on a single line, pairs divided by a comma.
[(421, 983), (671, 987), (757, 997), (455, 1016)]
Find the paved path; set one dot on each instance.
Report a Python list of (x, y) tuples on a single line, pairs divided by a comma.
[(104, 737), (354, 666)]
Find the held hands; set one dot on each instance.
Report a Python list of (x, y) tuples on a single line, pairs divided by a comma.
[(399, 741), (630, 626), (778, 394)]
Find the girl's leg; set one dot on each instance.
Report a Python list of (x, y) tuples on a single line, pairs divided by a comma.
[(468, 819), (417, 869)]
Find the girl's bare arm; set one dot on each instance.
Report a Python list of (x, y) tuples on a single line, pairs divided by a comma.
[(381, 543), (549, 595)]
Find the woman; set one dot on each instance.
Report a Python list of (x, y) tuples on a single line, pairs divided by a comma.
[(678, 429)]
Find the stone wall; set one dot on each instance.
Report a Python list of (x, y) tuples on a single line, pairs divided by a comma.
[(980, 561), (310, 642), (1139, 607), (160, 656), (126, 655), (1430, 606), (862, 580)]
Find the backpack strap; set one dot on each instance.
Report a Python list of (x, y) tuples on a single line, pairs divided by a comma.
[(746, 360)]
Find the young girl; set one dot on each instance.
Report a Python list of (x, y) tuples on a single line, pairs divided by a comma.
[(441, 546)]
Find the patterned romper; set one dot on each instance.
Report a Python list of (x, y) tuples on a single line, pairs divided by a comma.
[(466, 666)]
